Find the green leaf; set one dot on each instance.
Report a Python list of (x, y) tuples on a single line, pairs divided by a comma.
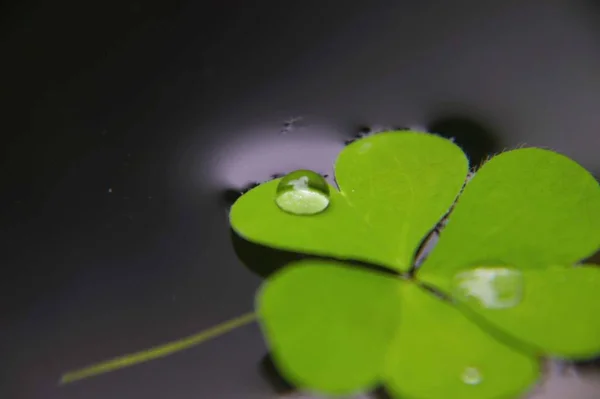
[(439, 353), (557, 313), (403, 184), (338, 231), (329, 325), (528, 208), (394, 187)]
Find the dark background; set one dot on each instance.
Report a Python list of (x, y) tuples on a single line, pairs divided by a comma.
[(126, 123)]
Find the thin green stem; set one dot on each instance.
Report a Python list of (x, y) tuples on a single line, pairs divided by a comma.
[(157, 351)]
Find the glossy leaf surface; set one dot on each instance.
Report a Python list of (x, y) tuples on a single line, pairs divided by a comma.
[(394, 187), (528, 208), (329, 325), (439, 353), (557, 314)]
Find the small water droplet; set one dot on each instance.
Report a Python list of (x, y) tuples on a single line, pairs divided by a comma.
[(471, 376), (302, 192), (491, 287)]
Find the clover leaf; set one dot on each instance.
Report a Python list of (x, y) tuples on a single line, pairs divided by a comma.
[(501, 287), (393, 190)]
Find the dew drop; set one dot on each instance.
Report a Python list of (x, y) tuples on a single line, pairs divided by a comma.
[(471, 376), (302, 192), (491, 287)]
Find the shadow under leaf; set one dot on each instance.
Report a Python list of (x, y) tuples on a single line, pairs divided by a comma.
[(475, 138), (260, 259), (281, 386), (269, 372)]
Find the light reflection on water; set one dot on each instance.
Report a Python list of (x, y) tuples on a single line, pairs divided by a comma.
[(262, 152), (235, 158), (566, 380)]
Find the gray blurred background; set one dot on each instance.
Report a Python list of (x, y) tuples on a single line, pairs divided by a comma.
[(127, 125)]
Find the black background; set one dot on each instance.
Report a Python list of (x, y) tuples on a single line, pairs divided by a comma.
[(125, 124)]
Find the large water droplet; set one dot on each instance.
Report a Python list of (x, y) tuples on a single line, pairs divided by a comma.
[(491, 287), (471, 376), (302, 192)]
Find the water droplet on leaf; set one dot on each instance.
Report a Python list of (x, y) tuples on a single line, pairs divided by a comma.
[(302, 192), (491, 287), (471, 376)]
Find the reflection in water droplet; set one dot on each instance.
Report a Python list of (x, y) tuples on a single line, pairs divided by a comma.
[(471, 376), (492, 287), (302, 192)]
